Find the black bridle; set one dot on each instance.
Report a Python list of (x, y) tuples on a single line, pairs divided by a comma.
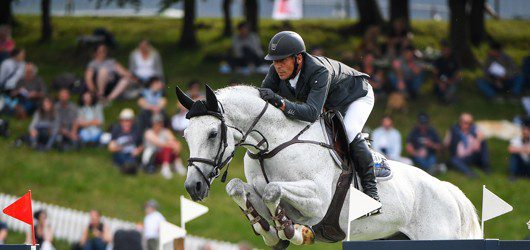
[(218, 163)]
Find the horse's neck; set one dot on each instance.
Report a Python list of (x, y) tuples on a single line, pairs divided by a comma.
[(242, 113)]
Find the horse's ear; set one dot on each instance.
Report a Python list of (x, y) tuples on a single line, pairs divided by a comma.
[(211, 100), (186, 101)]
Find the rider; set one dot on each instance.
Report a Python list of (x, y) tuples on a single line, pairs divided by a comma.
[(301, 85)]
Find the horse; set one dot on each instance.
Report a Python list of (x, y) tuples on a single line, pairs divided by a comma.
[(285, 195)]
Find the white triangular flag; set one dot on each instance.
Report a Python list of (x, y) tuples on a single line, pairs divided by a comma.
[(190, 210), (360, 204), (492, 205), (169, 232)]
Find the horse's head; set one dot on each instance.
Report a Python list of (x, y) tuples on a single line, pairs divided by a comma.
[(210, 141)]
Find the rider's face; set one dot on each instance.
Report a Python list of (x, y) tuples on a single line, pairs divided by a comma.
[(284, 67)]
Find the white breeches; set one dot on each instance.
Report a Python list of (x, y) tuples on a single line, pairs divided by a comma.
[(357, 114)]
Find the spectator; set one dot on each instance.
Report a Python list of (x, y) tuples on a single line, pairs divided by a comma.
[(89, 119), (467, 146), (67, 114), (446, 74), (179, 122), (152, 221), (246, 48), (519, 150), (500, 75), (371, 42), (7, 44), (29, 91), (526, 71), (423, 143), (318, 51), (44, 126), (152, 102), (126, 141), (407, 74), (12, 70), (105, 76), (377, 76), (97, 235), (43, 231), (145, 63), (3, 233), (398, 37), (387, 140), (161, 147)]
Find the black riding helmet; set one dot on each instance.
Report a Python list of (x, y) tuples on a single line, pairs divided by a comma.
[(285, 44)]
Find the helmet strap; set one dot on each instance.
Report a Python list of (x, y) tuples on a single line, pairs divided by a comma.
[(295, 70)]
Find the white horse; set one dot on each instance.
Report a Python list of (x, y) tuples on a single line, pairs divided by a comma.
[(303, 177)]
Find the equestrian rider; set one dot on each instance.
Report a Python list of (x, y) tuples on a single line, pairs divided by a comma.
[(301, 85)]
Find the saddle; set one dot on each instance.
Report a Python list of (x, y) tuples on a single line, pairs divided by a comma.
[(328, 229)]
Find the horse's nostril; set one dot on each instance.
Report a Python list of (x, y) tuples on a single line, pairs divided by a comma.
[(198, 187)]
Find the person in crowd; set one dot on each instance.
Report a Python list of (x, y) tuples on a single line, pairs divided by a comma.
[(246, 48), (152, 221), (152, 102), (407, 73), (7, 44), (67, 114), (371, 42), (126, 140), (377, 76), (179, 122), (423, 143), (105, 76), (519, 150), (399, 38), (12, 70), (145, 63), (387, 140), (3, 233), (89, 119), (501, 74), (97, 235), (44, 126), (526, 71), (467, 146), (446, 74), (43, 231), (29, 91), (161, 148)]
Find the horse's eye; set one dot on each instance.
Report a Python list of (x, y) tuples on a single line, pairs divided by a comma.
[(212, 135)]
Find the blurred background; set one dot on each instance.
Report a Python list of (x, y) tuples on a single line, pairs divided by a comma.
[(90, 123)]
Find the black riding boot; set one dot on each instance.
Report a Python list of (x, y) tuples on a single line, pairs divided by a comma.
[(364, 165)]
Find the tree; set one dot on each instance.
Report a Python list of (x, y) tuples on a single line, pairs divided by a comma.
[(476, 22), (46, 22), (6, 13), (399, 9), (252, 14), (369, 14), (459, 33), (227, 30), (188, 37)]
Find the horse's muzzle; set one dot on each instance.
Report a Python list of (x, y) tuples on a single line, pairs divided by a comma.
[(197, 189)]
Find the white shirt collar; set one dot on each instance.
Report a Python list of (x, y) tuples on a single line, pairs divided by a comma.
[(294, 80)]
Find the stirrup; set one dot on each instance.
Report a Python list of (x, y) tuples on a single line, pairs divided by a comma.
[(373, 213)]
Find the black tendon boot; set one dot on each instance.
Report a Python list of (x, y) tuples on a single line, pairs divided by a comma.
[(364, 165)]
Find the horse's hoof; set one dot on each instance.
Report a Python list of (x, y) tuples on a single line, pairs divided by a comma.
[(282, 244)]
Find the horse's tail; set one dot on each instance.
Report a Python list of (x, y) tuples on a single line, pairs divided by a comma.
[(470, 227)]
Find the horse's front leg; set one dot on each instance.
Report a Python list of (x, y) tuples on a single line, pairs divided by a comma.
[(252, 206), (302, 196)]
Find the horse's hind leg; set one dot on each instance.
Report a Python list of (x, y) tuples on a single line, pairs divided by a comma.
[(302, 197), (253, 208)]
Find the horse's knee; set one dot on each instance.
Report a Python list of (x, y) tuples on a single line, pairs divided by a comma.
[(272, 193), (235, 187)]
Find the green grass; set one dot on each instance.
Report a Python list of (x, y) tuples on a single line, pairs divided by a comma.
[(87, 179)]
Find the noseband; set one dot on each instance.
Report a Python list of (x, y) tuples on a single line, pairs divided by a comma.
[(218, 163)]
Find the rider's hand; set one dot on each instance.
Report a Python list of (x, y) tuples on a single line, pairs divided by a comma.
[(269, 96)]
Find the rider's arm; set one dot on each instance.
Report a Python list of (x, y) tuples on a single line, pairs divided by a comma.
[(311, 109)]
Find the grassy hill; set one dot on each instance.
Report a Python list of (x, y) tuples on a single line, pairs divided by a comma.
[(87, 179)]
